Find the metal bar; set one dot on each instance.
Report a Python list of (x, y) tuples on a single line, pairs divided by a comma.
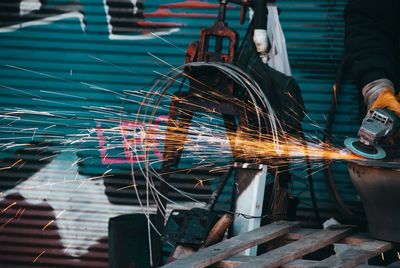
[(214, 196)]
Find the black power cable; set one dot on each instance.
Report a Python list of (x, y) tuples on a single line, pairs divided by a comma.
[(311, 184), (329, 179)]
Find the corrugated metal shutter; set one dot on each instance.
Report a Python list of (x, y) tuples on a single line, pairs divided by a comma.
[(60, 80), (314, 36), (63, 68)]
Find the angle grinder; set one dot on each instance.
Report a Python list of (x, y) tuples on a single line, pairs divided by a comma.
[(378, 126)]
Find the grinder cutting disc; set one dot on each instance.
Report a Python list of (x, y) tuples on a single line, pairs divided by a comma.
[(371, 152)]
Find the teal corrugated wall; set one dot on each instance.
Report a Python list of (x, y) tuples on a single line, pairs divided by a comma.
[(63, 71), (314, 36)]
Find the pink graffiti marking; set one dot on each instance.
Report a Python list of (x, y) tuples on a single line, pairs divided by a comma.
[(130, 140)]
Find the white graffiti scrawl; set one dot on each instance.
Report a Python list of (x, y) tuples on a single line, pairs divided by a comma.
[(25, 13), (126, 20)]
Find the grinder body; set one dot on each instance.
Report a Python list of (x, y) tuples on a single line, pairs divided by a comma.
[(378, 126)]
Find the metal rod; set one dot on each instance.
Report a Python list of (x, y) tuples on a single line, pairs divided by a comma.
[(222, 10), (214, 196), (260, 14)]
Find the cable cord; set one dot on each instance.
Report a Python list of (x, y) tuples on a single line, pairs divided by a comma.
[(329, 179)]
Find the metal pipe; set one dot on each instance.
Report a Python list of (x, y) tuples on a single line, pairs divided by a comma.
[(260, 14), (222, 10)]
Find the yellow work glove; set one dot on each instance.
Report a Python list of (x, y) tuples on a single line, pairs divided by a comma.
[(387, 99)]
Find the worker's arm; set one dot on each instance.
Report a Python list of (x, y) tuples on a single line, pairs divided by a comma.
[(372, 44)]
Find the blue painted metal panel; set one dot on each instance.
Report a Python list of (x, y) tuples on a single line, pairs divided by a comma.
[(82, 61)]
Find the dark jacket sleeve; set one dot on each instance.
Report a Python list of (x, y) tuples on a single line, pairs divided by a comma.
[(372, 39), (282, 91)]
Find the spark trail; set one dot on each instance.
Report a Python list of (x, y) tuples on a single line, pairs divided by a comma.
[(142, 140), (139, 136), (205, 140), (208, 136)]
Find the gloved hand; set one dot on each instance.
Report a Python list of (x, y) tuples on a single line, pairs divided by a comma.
[(387, 99)]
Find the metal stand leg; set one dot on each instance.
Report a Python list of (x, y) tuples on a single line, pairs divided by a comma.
[(172, 154), (248, 198)]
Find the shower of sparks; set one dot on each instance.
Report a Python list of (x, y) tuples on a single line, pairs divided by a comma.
[(204, 142), (207, 139), (146, 138), (149, 138)]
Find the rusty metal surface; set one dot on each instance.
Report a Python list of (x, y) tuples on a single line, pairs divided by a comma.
[(387, 164), (379, 191)]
